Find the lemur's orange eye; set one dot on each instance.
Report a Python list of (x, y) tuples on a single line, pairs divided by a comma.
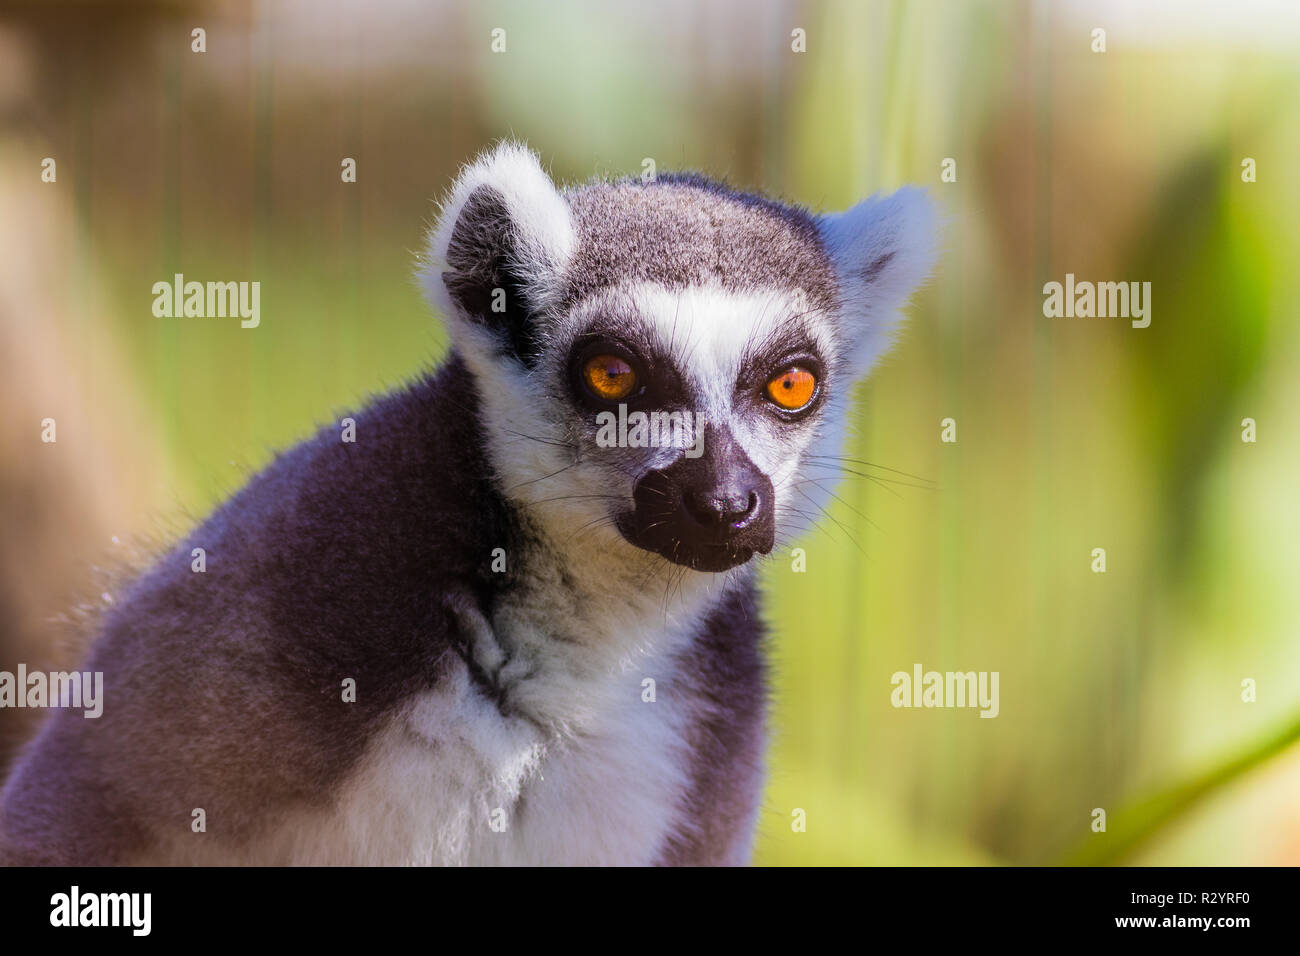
[(793, 389), (609, 377)]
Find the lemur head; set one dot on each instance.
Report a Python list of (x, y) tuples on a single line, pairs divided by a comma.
[(659, 363)]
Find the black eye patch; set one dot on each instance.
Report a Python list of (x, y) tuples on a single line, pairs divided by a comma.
[(775, 355), (660, 384)]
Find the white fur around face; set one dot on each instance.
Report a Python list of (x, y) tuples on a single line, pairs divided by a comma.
[(881, 250), (534, 431)]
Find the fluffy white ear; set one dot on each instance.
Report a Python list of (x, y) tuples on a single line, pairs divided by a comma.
[(495, 258), (883, 248)]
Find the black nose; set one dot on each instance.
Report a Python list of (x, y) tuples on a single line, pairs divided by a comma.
[(721, 507), (709, 513)]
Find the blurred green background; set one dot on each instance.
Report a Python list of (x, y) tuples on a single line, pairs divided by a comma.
[(1073, 434)]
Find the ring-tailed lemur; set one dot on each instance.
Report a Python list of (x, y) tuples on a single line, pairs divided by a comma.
[(477, 633)]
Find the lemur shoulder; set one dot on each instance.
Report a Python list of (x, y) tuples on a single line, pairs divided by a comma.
[(500, 585)]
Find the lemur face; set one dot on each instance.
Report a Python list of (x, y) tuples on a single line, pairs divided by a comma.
[(725, 391), (661, 364)]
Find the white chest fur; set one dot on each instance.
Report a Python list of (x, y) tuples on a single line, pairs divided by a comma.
[(453, 782), (580, 768)]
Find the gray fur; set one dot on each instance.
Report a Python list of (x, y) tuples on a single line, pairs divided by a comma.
[(683, 230)]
